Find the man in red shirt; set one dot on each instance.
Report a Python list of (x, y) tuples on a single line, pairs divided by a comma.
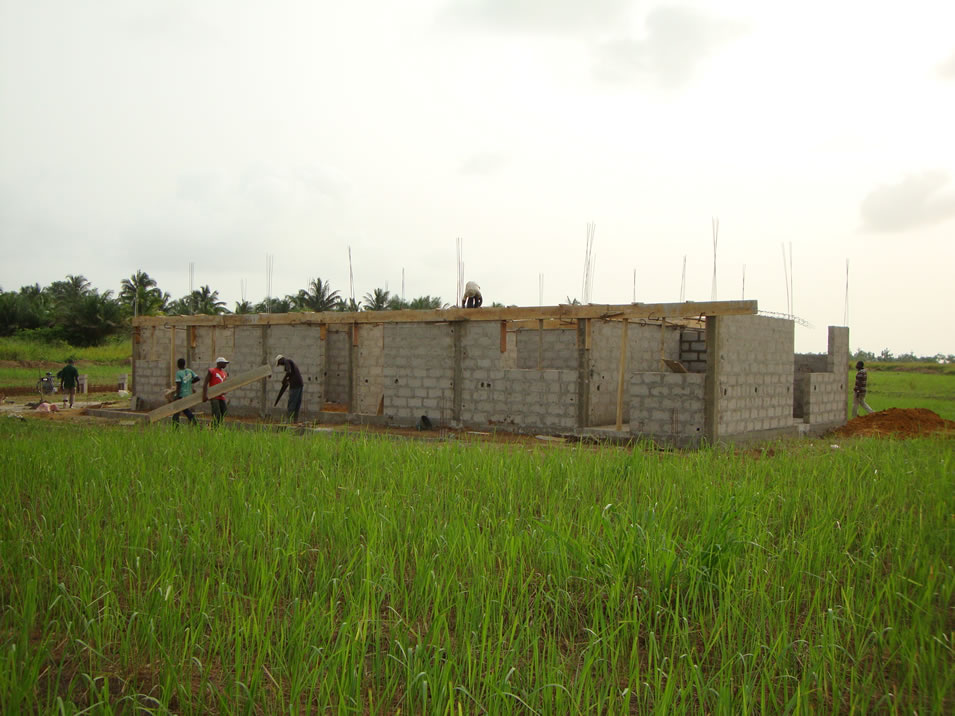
[(213, 377)]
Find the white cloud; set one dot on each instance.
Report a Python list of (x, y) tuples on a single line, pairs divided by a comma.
[(677, 41), (946, 69), (544, 16), (918, 200), (484, 163)]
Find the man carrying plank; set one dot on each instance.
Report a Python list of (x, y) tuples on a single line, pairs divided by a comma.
[(214, 376)]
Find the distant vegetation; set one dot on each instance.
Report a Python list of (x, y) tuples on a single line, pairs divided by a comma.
[(75, 312)]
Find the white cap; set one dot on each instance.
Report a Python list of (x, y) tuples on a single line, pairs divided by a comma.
[(220, 359), (278, 358)]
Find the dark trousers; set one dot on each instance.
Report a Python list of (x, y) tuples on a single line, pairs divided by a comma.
[(294, 403), (218, 411), (190, 416)]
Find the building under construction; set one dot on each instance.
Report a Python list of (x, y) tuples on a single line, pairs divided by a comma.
[(681, 374)]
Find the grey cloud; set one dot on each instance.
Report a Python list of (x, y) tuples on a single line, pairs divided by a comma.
[(676, 42), (544, 16), (946, 70), (917, 200), (483, 163)]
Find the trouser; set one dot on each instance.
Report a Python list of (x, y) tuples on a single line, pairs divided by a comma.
[(190, 416), (71, 392), (294, 403), (218, 411), (858, 399)]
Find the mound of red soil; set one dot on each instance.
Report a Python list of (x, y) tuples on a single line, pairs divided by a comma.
[(896, 422)]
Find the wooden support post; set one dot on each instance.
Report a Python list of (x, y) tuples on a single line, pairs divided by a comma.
[(323, 331), (172, 355), (213, 357), (503, 336), (587, 333), (540, 343), (239, 381), (622, 373)]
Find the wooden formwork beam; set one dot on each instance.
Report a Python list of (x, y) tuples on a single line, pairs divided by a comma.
[(239, 381)]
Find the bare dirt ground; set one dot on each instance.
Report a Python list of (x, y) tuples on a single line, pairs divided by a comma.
[(896, 423), (892, 423)]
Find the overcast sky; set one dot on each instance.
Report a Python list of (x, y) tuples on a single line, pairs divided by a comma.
[(148, 135)]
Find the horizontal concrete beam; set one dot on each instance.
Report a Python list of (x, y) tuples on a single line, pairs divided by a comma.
[(632, 311)]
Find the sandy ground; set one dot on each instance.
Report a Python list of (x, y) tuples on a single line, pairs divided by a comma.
[(895, 422)]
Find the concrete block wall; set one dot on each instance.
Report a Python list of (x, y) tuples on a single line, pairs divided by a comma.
[(519, 399), (369, 376), (304, 345), (755, 384), (418, 372), (667, 407), (337, 371), (559, 348), (481, 347), (838, 350), (824, 398), (643, 355), (820, 385), (693, 350)]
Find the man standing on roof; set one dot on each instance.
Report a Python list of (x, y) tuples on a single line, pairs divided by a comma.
[(293, 381), (213, 377), (472, 296)]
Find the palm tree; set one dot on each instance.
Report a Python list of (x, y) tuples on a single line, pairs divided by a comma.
[(397, 303), (317, 296), (426, 303), (202, 301), (70, 290), (141, 296), (349, 305), (377, 300), (244, 307), (274, 305)]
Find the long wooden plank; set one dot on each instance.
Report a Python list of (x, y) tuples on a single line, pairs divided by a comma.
[(239, 381), (631, 311)]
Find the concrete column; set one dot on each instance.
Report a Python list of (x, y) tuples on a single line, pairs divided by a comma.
[(352, 367), (264, 384), (583, 372), (711, 385), (457, 341)]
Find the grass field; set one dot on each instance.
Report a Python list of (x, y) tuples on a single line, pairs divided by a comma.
[(894, 389), (25, 361), (201, 572)]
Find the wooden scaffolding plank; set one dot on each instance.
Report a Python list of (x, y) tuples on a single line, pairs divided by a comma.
[(239, 381)]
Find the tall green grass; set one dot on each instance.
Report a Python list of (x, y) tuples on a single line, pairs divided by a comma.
[(116, 351), (935, 392), (200, 571)]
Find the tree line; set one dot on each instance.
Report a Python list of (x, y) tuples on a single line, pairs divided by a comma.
[(74, 311)]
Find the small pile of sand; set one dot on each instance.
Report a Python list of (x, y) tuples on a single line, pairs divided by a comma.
[(896, 422)]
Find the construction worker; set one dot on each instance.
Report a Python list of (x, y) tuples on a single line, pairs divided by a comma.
[(293, 381), (472, 296), (214, 376)]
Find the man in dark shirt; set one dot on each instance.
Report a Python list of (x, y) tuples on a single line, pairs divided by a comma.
[(69, 378), (293, 381), (859, 390)]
